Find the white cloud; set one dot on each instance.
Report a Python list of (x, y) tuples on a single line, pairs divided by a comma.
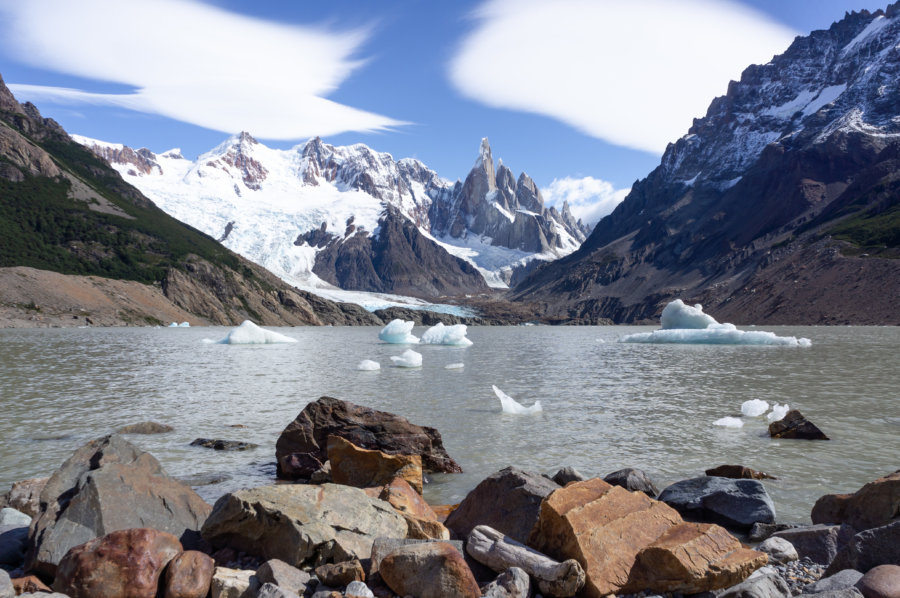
[(589, 199), (632, 73), (191, 62)]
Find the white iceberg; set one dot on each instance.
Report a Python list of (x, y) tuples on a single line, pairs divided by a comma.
[(409, 359), (184, 325), (778, 412), (249, 333), (683, 324), (454, 366), (729, 422), (367, 365), (754, 407), (446, 335), (510, 405), (398, 332)]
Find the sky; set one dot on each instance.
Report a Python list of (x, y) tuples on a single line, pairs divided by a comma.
[(583, 95)]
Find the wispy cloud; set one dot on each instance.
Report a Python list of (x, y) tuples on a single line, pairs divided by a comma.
[(632, 73), (589, 199), (192, 62)]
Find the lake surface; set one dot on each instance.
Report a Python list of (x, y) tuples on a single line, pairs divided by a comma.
[(607, 405)]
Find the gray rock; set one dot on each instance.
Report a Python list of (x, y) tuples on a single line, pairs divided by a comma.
[(9, 516), (841, 580), (779, 550), (283, 575), (13, 543), (270, 590), (219, 444), (382, 547), (761, 531), (566, 475), (234, 583), (25, 496), (634, 480), (512, 583), (735, 504), (868, 549), (303, 525), (105, 486), (145, 428), (848, 593), (6, 588), (762, 586), (819, 543), (357, 589)]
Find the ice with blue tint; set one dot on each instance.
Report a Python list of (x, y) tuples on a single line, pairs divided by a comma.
[(454, 366), (398, 332), (754, 407), (510, 405), (182, 325), (249, 333), (409, 359), (367, 365), (729, 422), (446, 335), (778, 412), (684, 324)]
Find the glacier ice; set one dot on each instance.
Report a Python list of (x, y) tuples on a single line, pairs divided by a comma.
[(446, 335), (510, 405), (729, 422), (409, 359), (398, 332), (754, 407), (368, 365), (778, 412), (683, 324), (249, 333), (454, 366), (182, 325)]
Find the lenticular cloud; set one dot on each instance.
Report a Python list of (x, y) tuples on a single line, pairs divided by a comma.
[(684, 324)]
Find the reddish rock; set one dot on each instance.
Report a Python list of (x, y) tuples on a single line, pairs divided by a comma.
[(795, 425), (420, 517), (738, 472), (443, 511), (338, 575), (189, 575), (875, 504), (429, 570), (29, 584), (363, 468), (882, 581), (123, 564)]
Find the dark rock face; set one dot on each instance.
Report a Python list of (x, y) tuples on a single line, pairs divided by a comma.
[(736, 504), (868, 549), (738, 472), (366, 428), (819, 543), (795, 425), (219, 444)]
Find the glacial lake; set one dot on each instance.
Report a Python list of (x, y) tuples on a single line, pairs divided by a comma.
[(606, 405)]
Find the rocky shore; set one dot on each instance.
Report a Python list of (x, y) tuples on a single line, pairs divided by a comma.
[(346, 518)]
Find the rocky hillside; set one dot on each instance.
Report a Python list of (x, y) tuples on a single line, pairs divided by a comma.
[(781, 205), (64, 211)]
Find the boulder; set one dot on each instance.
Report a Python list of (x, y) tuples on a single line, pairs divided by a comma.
[(736, 504), (738, 472), (270, 590), (303, 525), (634, 480), (795, 425), (109, 485), (219, 444), (338, 575), (421, 520), (13, 543), (566, 475), (382, 547), (875, 504), (189, 575), (364, 427), (429, 570), (780, 551), (6, 587), (25, 496), (761, 531), (122, 564), (508, 501), (842, 580), (279, 573), (363, 468), (10, 516), (759, 586), (145, 428), (882, 581), (512, 583), (818, 543), (868, 549), (234, 583), (357, 589)]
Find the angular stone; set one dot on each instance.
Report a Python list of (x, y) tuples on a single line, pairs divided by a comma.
[(738, 472), (429, 570), (566, 475), (109, 485), (761, 586), (420, 518), (279, 573), (634, 480), (363, 468), (303, 466), (364, 427), (270, 590), (10, 516), (338, 575), (761, 531), (145, 428), (736, 504), (303, 525), (512, 583), (508, 501), (882, 581), (25, 496), (382, 547), (868, 549), (795, 425), (875, 504), (842, 580), (819, 543), (779, 550), (189, 575), (122, 564), (234, 583)]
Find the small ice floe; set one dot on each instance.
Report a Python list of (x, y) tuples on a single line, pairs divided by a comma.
[(409, 359), (182, 325), (398, 332), (729, 422), (754, 407), (683, 324), (249, 333), (446, 335), (778, 412), (454, 366), (510, 405), (367, 365)]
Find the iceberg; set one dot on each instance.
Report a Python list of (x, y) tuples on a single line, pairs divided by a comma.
[(510, 405), (754, 407), (182, 325), (367, 365), (446, 335), (409, 359), (778, 412), (683, 324), (398, 332), (454, 366), (729, 422), (249, 333)]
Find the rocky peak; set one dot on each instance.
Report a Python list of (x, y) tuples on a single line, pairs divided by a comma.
[(239, 154), (8, 102)]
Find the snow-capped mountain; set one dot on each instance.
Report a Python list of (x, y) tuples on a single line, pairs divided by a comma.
[(800, 153), (315, 214)]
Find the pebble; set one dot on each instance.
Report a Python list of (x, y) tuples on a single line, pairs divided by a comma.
[(800, 573)]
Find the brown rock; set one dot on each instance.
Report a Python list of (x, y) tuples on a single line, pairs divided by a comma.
[(363, 468), (364, 427), (421, 519), (29, 584), (691, 558), (443, 511), (145, 428), (882, 581), (125, 563), (795, 425), (875, 504), (738, 472), (25, 496), (189, 575), (283, 575), (338, 575), (430, 570)]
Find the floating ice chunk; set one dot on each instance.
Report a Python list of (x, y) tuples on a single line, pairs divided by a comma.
[(398, 332), (409, 359), (729, 422), (173, 325), (446, 335), (778, 412), (510, 405), (754, 407), (368, 365), (677, 315), (249, 333), (454, 366), (184, 325)]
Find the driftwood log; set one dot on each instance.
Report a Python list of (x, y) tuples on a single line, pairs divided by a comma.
[(490, 547)]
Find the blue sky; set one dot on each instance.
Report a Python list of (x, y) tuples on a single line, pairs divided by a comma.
[(581, 94)]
